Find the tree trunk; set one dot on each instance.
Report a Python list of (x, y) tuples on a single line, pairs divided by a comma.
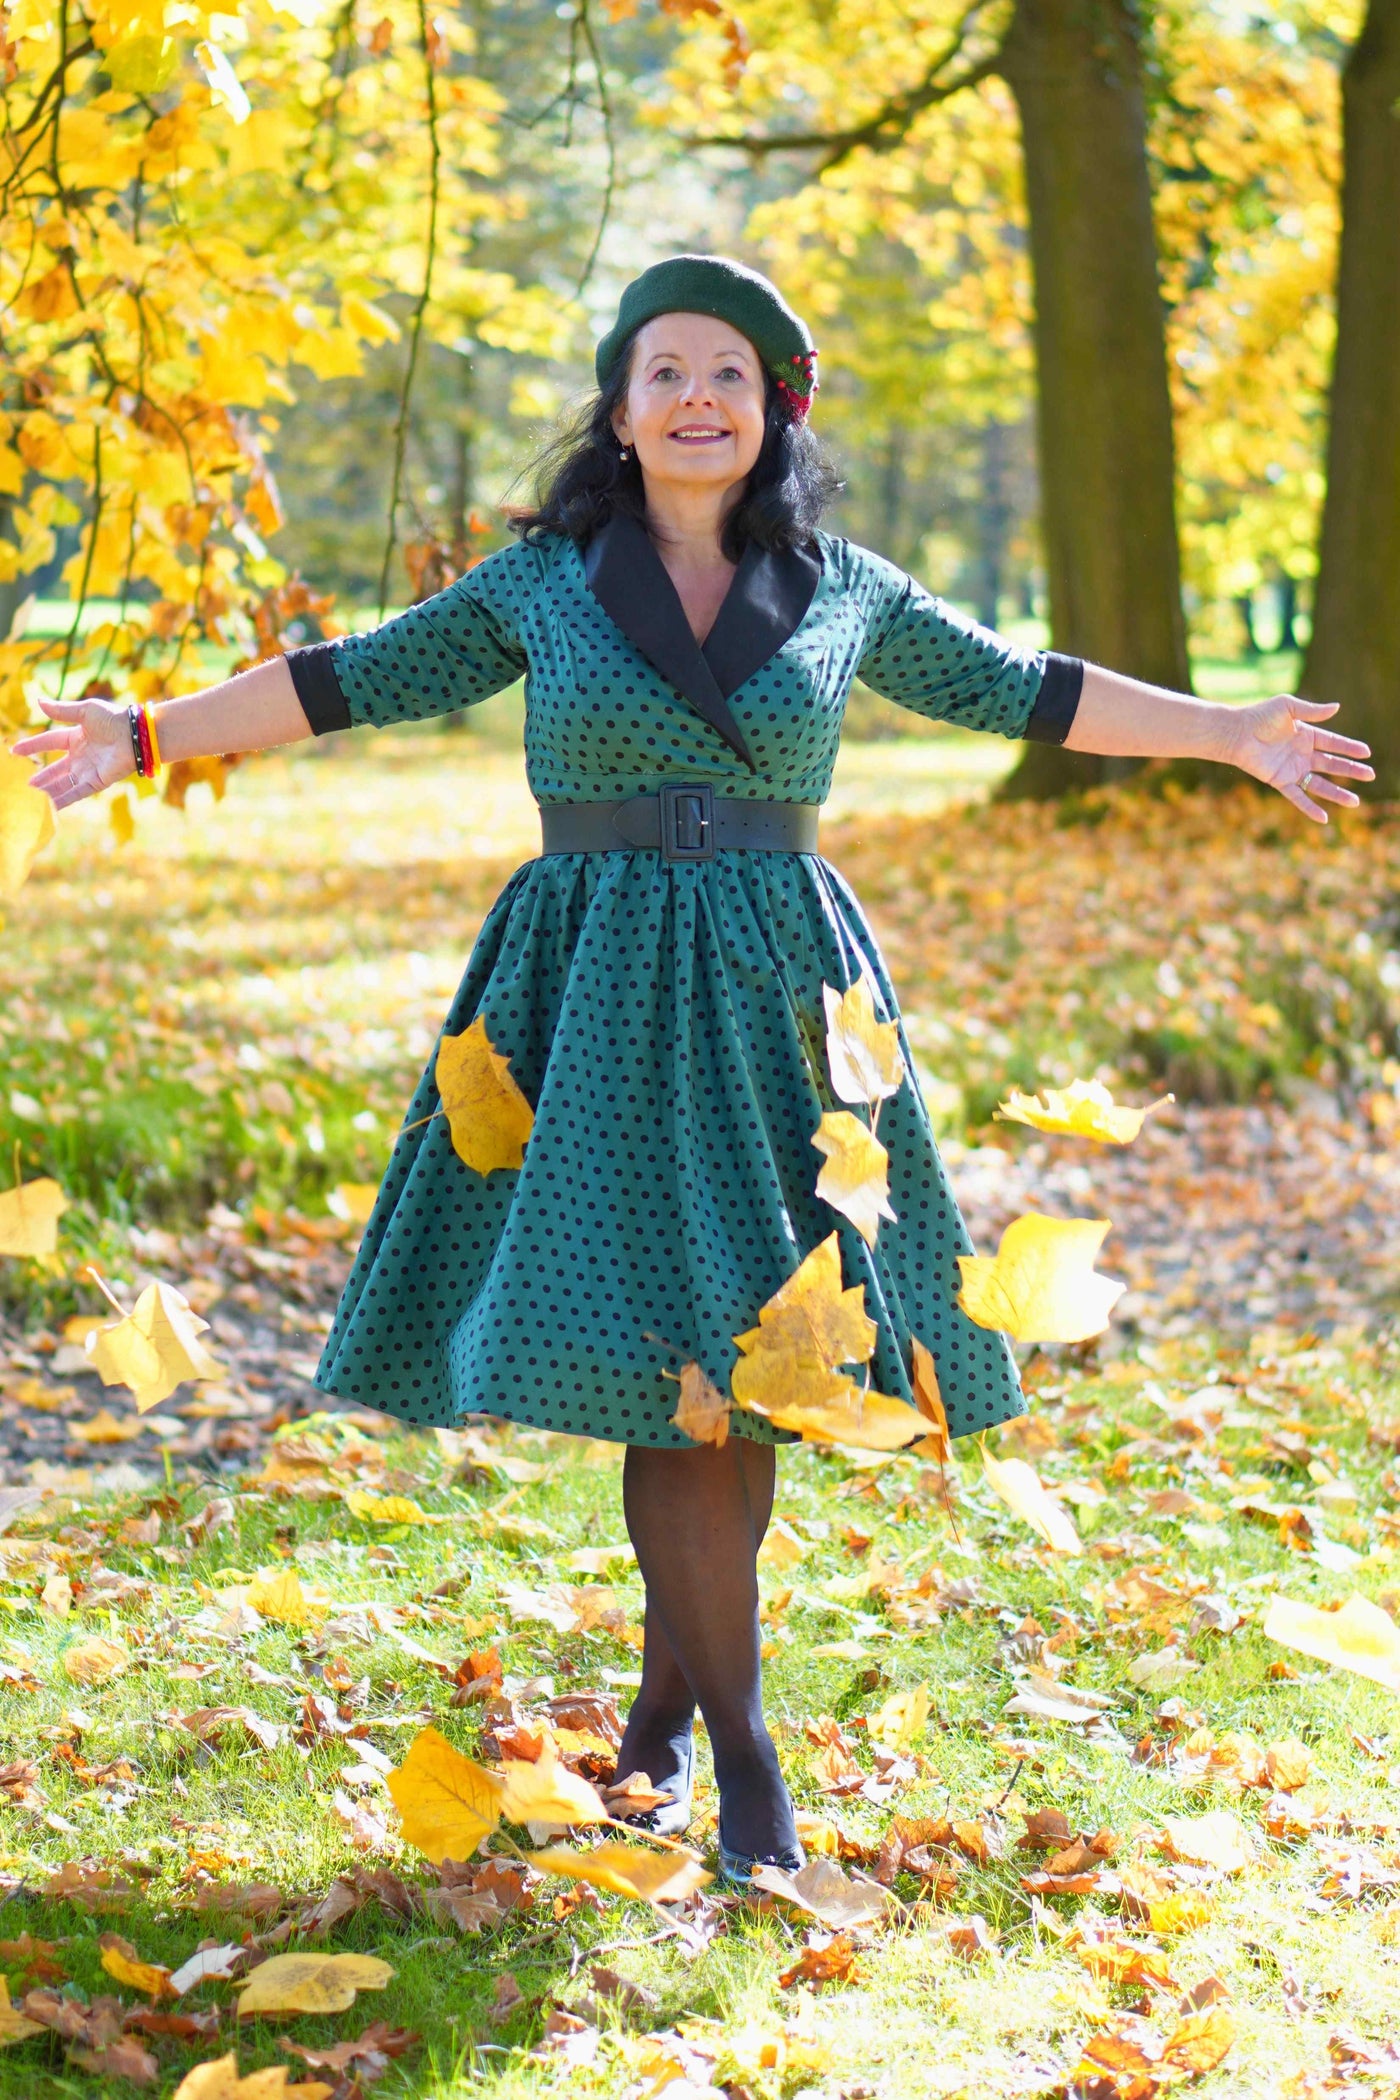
[(1103, 407), (1354, 653)]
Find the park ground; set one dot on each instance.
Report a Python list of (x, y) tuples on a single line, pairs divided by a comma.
[(209, 1035)]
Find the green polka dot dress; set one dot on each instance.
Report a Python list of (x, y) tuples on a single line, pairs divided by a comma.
[(664, 1019)]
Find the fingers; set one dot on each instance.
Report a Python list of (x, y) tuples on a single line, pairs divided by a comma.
[(1325, 790), (1348, 746), (64, 710), (56, 739), (1313, 710), (59, 774), (1303, 802), (1327, 762)]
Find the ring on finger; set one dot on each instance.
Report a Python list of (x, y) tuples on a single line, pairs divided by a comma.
[(1306, 782)]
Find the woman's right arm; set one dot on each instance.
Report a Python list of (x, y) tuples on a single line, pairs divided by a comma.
[(252, 712)]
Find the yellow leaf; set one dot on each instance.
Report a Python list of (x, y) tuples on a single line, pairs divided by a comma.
[(702, 1412), (901, 1720), (1201, 2041), (281, 1598), (1218, 1840), (856, 1178), (106, 1428), (1041, 1285), (489, 1117), (1019, 1486), (120, 1959), (387, 1509), (863, 1054), (812, 1314), (29, 1218), (94, 1660), (121, 815), (353, 1200), (1184, 1911), (447, 1803), (547, 1792), (154, 1348), (370, 323), (849, 1414), (14, 2027), (26, 823), (928, 1398), (311, 1983), (654, 1877), (1085, 1108), (219, 2080), (1360, 1637)]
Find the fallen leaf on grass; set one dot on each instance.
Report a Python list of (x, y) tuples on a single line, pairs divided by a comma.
[(1019, 1486), (653, 1877), (280, 1598), (122, 2058), (214, 1964), (830, 1896), (901, 1720), (120, 1960), (702, 1412), (447, 1803), (1217, 1840), (239, 1899), (488, 1116), (95, 1660), (833, 1961), (311, 1983), (153, 1348), (1041, 1284), (388, 1509), (29, 1217), (91, 1888), (1200, 2042), (856, 1177), (14, 2026), (219, 2080), (368, 2055), (1360, 1637), (1085, 1108), (180, 2026), (862, 1053)]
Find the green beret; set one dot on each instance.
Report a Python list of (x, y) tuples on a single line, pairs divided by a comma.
[(730, 291)]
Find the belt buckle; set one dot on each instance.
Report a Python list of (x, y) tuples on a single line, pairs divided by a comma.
[(687, 822)]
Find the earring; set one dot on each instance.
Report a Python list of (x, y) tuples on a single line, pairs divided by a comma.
[(624, 452)]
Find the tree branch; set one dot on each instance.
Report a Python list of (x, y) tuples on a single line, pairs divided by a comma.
[(420, 310)]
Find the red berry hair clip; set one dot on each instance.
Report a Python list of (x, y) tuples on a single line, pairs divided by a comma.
[(796, 381)]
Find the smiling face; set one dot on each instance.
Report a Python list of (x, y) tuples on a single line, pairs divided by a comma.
[(694, 406)]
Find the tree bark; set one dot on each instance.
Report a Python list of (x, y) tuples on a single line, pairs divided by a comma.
[(1103, 407), (1354, 653)]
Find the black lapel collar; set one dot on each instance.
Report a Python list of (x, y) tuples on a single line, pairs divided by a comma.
[(764, 605)]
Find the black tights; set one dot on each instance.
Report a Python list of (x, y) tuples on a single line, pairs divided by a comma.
[(696, 1519)]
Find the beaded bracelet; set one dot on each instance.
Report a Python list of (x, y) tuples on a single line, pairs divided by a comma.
[(145, 748)]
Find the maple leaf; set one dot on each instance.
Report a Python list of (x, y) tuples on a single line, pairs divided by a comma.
[(120, 1959), (702, 1412), (1041, 1284), (94, 1660), (829, 1894), (29, 1214), (1085, 1108), (447, 1803), (311, 1983), (1019, 1486), (489, 1117), (153, 1348), (623, 1870), (14, 2026), (388, 1509), (901, 1720), (832, 1962), (1200, 2042), (788, 1368), (856, 1177), (544, 1791), (26, 823), (281, 1598), (219, 2080), (1360, 1637), (862, 1053)]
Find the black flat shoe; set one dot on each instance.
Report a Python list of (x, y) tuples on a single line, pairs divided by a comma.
[(669, 1819), (736, 1868)]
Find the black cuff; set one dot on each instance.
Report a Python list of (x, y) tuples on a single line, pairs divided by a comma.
[(1057, 702), (318, 688)]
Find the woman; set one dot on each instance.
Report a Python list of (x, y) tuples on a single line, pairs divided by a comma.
[(655, 976)]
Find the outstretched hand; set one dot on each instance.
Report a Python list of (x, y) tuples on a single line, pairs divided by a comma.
[(1281, 742), (94, 743)]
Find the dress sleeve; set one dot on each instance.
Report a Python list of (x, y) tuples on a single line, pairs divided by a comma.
[(451, 651), (924, 655)]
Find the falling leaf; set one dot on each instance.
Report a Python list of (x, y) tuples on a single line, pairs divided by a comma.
[(220, 2081), (14, 2027), (1041, 1284), (1360, 1637), (280, 1598), (856, 1177), (928, 1398), (94, 1660), (311, 1983), (1217, 1840), (863, 1054), (153, 1348), (546, 1791), (811, 1314), (388, 1509), (489, 1117), (702, 1412), (1019, 1486), (353, 1201), (26, 823), (120, 1959), (824, 1890), (901, 1720), (447, 1803), (1085, 1108), (623, 1870), (29, 1214), (106, 1428)]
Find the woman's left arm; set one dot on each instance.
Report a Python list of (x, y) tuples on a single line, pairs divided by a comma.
[(1280, 741)]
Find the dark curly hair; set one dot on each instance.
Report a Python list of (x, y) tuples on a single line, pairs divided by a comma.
[(580, 480)]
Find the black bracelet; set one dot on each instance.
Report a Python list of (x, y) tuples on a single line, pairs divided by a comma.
[(133, 723)]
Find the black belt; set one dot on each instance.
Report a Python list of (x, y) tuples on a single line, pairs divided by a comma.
[(689, 822)]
